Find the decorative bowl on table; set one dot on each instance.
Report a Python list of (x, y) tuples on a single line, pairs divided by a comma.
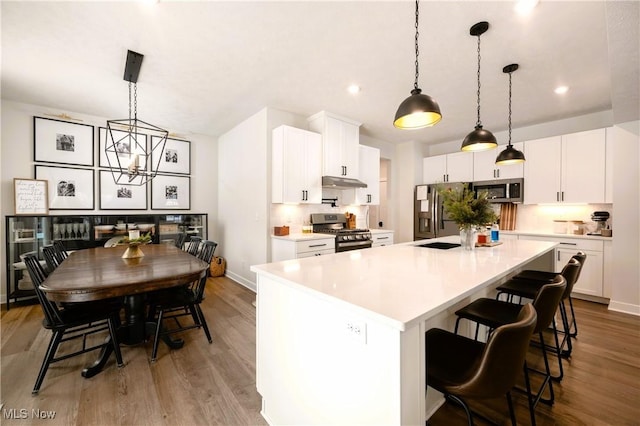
[(133, 246), (144, 227)]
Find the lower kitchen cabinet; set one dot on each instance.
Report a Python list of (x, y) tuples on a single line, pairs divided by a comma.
[(592, 278), (286, 248), (381, 238)]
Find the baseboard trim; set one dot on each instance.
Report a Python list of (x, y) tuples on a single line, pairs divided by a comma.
[(241, 280), (625, 308)]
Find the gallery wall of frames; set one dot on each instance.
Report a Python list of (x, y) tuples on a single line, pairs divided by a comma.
[(71, 156)]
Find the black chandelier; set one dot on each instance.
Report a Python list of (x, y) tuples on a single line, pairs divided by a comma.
[(479, 139), (418, 110), (132, 159), (510, 155)]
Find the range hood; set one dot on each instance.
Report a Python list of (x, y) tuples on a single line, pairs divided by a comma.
[(337, 182)]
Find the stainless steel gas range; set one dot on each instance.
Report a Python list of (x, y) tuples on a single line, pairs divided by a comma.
[(336, 224)]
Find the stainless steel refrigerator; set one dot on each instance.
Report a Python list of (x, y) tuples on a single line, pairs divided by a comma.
[(429, 218)]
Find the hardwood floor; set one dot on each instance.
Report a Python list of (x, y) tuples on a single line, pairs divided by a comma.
[(215, 383)]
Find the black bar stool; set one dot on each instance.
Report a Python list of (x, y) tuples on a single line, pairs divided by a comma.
[(528, 289), (543, 276), (495, 313), (463, 368)]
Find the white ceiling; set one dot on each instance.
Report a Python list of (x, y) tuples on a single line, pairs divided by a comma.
[(210, 65)]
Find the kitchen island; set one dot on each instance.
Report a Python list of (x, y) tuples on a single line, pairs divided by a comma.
[(340, 338)]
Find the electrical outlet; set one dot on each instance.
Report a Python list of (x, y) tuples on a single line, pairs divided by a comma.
[(357, 330)]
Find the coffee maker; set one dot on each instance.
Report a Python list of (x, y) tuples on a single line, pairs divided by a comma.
[(600, 218)]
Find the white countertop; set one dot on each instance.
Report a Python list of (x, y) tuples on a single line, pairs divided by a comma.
[(554, 235), (402, 283)]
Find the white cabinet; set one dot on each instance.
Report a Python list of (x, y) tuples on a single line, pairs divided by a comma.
[(568, 168), (340, 141), (591, 281), (381, 239), (296, 166), (608, 167), (369, 160), (456, 167), (485, 167), (285, 249)]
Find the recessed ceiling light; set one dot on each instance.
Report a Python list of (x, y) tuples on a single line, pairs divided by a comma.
[(353, 89), (524, 7), (561, 90)]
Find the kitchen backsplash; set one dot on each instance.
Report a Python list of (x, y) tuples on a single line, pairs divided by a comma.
[(296, 215), (539, 218)]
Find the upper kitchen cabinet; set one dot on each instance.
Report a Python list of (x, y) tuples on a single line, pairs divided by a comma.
[(485, 167), (568, 168), (296, 166), (370, 174), (340, 141), (456, 167)]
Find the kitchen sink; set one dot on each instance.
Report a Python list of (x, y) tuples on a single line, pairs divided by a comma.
[(440, 245)]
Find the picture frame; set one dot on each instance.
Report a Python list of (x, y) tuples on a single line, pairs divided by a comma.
[(109, 160), (69, 188), (62, 142), (120, 197), (176, 157), (171, 192), (30, 197)]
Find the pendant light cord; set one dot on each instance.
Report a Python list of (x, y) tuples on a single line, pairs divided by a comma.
[(479, 123), (509, 109), (135, 108), (415, 84)]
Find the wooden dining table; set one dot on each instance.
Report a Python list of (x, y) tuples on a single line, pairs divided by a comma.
[(101, 273)]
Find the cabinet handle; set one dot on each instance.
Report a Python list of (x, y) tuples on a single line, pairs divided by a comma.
[(498, 172), (368, 198), (382, 238), (558, 255), (562, 195), (568, 244), (318, 245), (557, 196)]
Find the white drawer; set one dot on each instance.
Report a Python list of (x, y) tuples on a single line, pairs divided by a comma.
[(315, 245), (577, 243), (315, 253)]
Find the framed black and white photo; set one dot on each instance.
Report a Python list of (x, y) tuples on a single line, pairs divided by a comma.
[(120, 197), (124, 150), (62, 142), (171, 192), (69, 188), (176, 157)]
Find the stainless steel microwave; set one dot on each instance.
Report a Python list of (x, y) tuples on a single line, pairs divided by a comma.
[(502, 191)]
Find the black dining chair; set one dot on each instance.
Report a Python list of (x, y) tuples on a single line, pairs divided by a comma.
[(71, 322), (169, 306), (61, 251), (50, 256), (463, 368), (194, 245), (180, 239), (495, 313)]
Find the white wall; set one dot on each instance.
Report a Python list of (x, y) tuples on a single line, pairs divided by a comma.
[(625, 291), (17, 161), (408, 173), (244, 197)]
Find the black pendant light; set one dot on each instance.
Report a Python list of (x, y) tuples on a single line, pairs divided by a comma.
[(129, 154), (418, 110), (479, 139), (510, 155)]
